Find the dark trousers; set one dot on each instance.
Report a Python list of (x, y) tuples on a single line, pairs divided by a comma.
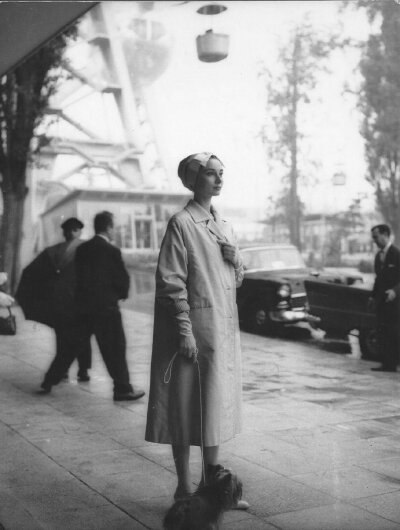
[(388, 339), (70, 345), (106, 325), (65, 343)]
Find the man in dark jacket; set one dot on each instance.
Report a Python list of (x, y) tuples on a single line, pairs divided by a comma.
[(386, 296), (102, 280), (46, 293)]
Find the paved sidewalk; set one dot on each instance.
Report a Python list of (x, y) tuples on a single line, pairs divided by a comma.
[(320, 448)]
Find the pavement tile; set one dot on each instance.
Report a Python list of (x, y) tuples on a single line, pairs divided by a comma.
[(363, 429), (100, 518), (246, 522), (15, 513), (288, 463), (278, 495), (151, 511), (65, 447), (389, 468), (66, 496), (386, 506), (370, 409), (126, 487), (335, 517), (74, 459), (350, 483)]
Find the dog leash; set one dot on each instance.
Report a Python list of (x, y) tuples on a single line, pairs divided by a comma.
[(167, 379)]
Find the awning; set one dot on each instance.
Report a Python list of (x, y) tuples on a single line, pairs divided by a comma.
[(25, 26)]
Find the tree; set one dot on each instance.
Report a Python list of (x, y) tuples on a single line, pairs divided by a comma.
[(302, 59), (343, 224), (24, 96), (380, 105)]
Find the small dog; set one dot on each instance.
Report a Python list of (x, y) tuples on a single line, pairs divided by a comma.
[(205, 508)]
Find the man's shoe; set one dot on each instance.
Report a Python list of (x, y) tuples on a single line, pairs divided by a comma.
[(128, 396), (45, 388), (83, 376), (383, 369)]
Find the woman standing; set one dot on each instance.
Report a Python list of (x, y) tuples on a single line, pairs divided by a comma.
[(199, 268)]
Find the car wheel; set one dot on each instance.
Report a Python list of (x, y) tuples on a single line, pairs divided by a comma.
[(256, 319), (368, 344)]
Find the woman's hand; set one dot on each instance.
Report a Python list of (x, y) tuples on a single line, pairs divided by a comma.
[(230, 253), (187, 347)]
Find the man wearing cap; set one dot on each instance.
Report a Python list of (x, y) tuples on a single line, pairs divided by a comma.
[(62, 257), (50, 280)]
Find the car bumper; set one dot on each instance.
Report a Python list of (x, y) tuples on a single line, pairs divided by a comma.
[(287, 316)]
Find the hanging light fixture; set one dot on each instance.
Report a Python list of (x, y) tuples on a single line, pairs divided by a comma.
[(212, 47)]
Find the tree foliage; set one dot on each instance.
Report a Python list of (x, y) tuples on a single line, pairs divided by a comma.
[(380, 105), (302, 59), (343, 224), (24, 96)]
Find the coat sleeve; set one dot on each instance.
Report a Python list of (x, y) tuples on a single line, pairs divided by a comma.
[(396, 288), (374, 288), (171, 277), (121, 280)]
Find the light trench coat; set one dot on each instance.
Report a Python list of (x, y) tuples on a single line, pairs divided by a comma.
[(195, 290)]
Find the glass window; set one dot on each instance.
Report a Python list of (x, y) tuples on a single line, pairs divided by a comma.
[(272, 258), (143, 233), (123, 231)]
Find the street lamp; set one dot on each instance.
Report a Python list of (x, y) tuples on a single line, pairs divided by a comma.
[(212, 47)]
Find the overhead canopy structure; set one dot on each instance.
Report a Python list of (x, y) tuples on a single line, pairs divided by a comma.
[(25, 26)]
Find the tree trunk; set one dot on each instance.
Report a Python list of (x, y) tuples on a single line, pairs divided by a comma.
[(11, 235), (294, 199)]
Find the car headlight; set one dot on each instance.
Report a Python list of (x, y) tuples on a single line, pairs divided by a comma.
[(284, 291)]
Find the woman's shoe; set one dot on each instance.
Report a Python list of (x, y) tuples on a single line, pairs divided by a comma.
[(179, 496)]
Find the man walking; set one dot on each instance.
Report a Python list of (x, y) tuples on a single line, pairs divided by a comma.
[(62, 259), (46, 293), (386, 295), (102, 280)]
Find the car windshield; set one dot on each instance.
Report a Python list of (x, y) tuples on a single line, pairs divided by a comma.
[(272, 259)]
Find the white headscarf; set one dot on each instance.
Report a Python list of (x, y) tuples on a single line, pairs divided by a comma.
[(189, 168)]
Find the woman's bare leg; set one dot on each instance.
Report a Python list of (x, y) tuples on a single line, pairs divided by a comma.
[(210, 455), (181, 455)]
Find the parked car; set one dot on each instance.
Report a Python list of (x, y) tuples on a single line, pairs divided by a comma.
[(272, 293), (343, 308)]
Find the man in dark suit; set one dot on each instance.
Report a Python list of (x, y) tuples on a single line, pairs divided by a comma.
[(386, 296), (102, 280)]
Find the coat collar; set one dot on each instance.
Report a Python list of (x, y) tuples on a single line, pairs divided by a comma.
[(198, 213), (213, 220)]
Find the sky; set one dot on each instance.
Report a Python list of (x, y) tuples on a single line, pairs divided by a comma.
[(219, 107)]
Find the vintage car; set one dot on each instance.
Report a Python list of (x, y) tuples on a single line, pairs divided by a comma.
[(342, 310), (272, 293)]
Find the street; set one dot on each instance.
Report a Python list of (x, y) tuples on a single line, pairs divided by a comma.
[(319, 448)]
